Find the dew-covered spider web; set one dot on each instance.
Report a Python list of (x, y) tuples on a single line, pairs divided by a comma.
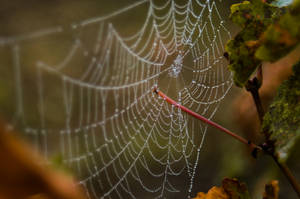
[(83, 90)]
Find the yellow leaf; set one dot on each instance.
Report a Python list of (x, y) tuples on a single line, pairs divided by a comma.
[(213, 193)]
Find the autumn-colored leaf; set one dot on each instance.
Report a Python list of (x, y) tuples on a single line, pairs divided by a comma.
[(213, 193), (266, 35), (253, 17), (235, 189), (231, 189), (271, 190)]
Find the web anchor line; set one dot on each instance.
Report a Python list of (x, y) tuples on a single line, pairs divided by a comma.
[(205, 120)]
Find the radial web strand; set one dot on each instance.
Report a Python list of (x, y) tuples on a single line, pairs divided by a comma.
[(84, 91)]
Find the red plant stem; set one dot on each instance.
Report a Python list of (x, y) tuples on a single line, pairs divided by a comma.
[(205, 120)]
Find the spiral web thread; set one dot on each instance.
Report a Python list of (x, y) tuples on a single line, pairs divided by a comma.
[(120, 139)]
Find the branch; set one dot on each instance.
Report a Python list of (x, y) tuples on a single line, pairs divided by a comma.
[(288, 174), (207, 121), (253, 86)]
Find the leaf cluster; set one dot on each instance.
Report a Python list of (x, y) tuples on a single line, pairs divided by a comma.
[(269, 32), (254, 18)]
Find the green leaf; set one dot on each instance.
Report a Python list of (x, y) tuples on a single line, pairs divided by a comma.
[(283, 117), (253, 17), (281, 37)]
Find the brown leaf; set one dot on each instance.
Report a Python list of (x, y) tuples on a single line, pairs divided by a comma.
[(235, 189), (231, 189), (271, 190)]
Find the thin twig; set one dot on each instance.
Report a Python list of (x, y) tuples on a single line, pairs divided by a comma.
[(203, 119), (287, 172), (253, 86)]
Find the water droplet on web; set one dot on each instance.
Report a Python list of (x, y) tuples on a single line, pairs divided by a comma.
[(74, 26)]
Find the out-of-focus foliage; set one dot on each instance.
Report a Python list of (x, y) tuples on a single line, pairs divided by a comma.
[(57, 163), (231, 189), (271, 190), (283, 119), (253, 17), (23, 173)]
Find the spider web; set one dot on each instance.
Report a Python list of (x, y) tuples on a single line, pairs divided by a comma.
[(87, 94)]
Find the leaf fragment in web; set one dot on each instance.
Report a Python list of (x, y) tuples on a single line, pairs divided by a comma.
[(283, 118), (253, 17)]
